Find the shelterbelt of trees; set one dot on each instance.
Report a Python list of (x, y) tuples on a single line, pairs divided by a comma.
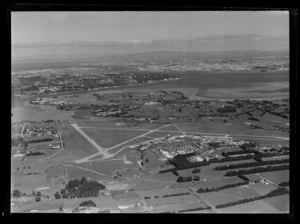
[(274, 193), (257, 170), (181, 162), (252, 164)]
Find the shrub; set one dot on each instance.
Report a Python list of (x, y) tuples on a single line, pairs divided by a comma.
[(16, 193), (37, 199)]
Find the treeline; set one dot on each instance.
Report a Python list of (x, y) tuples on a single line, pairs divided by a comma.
[(189, 165), (231, 153), (181, 179), (194, 209), (257, 170), (244, 165), (284, 184), (34, 153), (182, 163), (274, 193), (88, 203), (80, 189), (174, 195), (206, 190), (41, 140)]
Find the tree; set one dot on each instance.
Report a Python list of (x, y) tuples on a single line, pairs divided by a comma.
[(37, 199), (60, 209), (83, 181), (16, 193), (88, 203), (57, 195), (62, 191), (38, 193)]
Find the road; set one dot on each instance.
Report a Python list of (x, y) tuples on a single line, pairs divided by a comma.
[(21, 135), (79, 167), (59, 151)]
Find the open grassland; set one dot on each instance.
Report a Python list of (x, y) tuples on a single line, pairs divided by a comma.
[(56, 171), (160, 134), (169, 128), (277, 177), (110, 137), (77, 173), (75, 145), (108, 167)]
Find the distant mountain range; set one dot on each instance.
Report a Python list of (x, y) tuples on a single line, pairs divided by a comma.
[(100, 48)]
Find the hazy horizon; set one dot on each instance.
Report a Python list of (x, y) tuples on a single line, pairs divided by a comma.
[(100, 33)]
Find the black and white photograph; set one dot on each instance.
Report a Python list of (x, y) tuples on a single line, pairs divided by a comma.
[(150, 111)]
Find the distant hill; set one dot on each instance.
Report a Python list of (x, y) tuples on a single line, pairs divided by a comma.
[(214, 43)]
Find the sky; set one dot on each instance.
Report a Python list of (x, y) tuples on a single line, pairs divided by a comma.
[(34, 27)]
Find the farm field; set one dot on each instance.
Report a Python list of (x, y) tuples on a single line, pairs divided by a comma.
[(108, 137), (262, 188), (260, 206), (216, 183), (220, 197), (277, 177), (281, 202), (179, 206)]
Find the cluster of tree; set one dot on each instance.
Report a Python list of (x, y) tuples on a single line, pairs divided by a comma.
[(245, 178), (181, 179), (173, 195), (32, 173), (41, 140), (80, 189), (175, 173), (184, 164), (16, 193), (196, 170), (88, 203), (226, 109), (194, 209), (248, 145), (206, 190), (274, 193), (276, 113), (252, 164), (257, 170), (34, 153), (240, 152), (284, 184)]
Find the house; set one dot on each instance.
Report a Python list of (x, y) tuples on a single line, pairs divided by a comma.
[(55, 145)]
